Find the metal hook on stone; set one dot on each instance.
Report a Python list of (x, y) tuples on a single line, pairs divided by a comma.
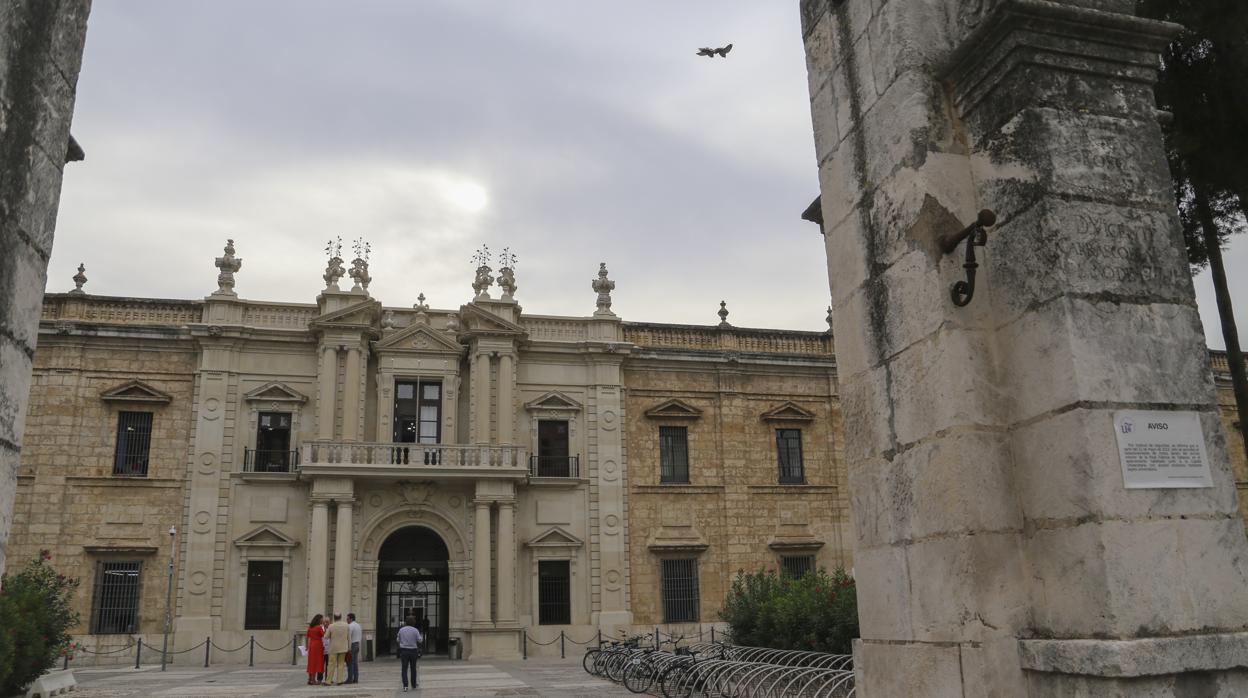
[(976, 236)]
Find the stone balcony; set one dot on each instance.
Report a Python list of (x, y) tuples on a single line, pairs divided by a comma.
[(410, 460)]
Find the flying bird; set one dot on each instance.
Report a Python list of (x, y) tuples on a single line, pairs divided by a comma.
[(712, 52)]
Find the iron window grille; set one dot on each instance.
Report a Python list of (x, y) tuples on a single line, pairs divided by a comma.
[(796, 566), (134, 443), (554, 592), (264, 595), (680, 590), (789, 453), (115, 599), (673, 454)]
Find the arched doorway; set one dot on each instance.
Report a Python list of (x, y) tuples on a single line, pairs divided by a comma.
[(413, 580)]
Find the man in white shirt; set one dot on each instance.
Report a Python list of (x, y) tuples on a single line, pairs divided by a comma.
[(356, 634), (409, 651)]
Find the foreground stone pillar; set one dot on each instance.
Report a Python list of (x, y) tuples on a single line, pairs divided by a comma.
[(481, 397), (42, 44), (351, 396), (318, 557), (988, 495), (325, 393), (506, 411), (506, 562), (343, 557), (481, 564)]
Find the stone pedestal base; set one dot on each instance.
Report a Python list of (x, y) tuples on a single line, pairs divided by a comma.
[(494, 643)]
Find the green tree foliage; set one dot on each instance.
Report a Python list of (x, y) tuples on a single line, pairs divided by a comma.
[(35, 618), (818, 611)]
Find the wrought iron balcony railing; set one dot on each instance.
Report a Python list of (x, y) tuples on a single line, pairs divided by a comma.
[(555, 466), (269, 461), (412, 455)]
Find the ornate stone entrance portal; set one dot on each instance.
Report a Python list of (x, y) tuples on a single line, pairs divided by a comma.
[(413, 580)]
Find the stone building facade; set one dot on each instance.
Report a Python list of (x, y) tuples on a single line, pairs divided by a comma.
[(490, 471)]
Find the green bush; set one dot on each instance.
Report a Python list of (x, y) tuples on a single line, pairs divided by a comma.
[(35, 618), (818, 611)]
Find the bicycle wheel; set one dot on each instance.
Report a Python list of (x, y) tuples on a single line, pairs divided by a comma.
[(638, 677), (616, 667), (591, 656), (672, 682)]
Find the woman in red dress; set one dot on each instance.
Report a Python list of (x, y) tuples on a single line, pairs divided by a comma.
[(316, 651)]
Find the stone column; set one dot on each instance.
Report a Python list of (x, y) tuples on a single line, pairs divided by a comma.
[(506, 562), (481, 564), (481, 397), (343, 557), (39, 71), (325, 393), (351, 396), (506, 411), (989, 501), (318, 557)]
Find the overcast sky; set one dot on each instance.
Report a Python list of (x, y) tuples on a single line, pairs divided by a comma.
[(574, 132)]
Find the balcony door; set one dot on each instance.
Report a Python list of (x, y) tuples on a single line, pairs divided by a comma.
[(552, 448), (273, 442), (418, 411)]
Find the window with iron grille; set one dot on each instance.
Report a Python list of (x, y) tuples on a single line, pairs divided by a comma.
[(554, 592), (673, 454), (115, 602), (264, 595), (134, 442), (680, 590), (789, 450), (796, 565)]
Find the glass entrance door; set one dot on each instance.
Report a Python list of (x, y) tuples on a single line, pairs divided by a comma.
[(413, 593)]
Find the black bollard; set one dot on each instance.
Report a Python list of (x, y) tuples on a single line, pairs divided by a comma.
[(251, 654), (656, 637), (524, 647), (138, 653), (207, 649), (562, 654), (294, 649), (600, 637)]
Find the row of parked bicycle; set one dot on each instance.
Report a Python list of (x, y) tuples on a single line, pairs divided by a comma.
[(721, 670)]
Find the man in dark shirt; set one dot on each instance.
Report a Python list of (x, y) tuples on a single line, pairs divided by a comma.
[(409, 650)]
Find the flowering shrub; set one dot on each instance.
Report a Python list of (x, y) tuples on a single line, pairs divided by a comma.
[(35, 618), (818, 611)]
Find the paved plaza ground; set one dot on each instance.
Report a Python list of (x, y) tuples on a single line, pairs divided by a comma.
[(439, 678)]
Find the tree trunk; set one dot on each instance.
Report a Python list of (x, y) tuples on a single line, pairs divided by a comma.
[(1239, 381)]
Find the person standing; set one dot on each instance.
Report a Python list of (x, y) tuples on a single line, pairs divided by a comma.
[(316, 655), (409, 650), (357, 640), (339, 638)]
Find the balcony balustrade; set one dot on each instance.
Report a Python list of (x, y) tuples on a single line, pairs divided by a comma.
[(554, 466), (433, 459), (269, 461)]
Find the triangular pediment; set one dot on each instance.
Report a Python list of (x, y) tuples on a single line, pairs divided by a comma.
[(135, 391), (554, 400), (788, 412), (275, 392), (364, 313), (421, 338), (674, 409), (478, 321), (265, 537), (555, 537)]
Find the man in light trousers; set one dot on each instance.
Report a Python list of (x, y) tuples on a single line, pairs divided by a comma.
[(337, 638), (409, 650), (357, 639)]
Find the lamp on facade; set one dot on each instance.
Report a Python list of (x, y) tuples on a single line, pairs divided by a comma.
[(164, 649)]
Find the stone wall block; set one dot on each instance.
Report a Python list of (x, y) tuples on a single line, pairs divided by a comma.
[(915, 206), (1075, 349), (23, 275), (932, 671), (853, 356), (15, 377), (1137, 578), (908, 36), (822, 50), (957, 484), (823, 111), (902, 126), (868, 429), (971, 586), (1085, 248), (947, 382), (1067, 467), (884, 601), (839, 185), (847, 261)]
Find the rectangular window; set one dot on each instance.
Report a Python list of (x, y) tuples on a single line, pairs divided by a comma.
[(680, 590), (264, 595), (673, 454), (418, 412), (553, 459), (272, 443), (134, 442), (789, 449), (797, 565), (115, 601), (554, 592)]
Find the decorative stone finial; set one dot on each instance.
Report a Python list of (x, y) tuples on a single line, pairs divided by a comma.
[(420, 302), (79, 279), (387, 320), (422, 310), (481, 284), (333, 270), (829, 318), (723, 314), (452, 324), (603, 287), (359, 266), (507, 273), (228, 264)]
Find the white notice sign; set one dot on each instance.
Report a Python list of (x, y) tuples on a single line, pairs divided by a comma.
[(1161, 449)]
